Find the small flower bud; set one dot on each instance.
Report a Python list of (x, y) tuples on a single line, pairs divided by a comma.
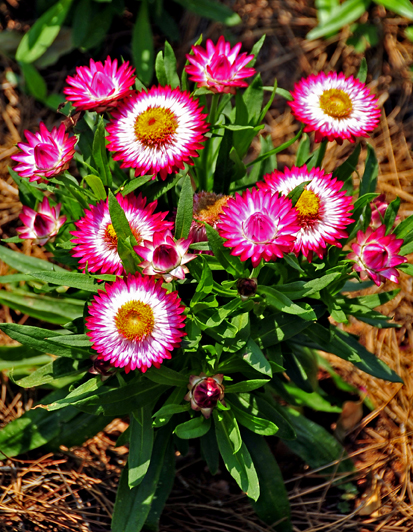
[(247, 288), (101, 367), (205, 392)]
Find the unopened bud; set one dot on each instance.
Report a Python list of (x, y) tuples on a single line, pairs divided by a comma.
[(247, 288), (101, 367), (205, 392)]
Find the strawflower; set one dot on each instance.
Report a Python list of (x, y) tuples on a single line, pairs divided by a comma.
[(41, 225), (100, 86), (164, 257), (335, 107), (157, 131), (205, 392), (47, 153), (135, 323), (259, 225), (323, 211), (375, 255), (219, 68), (96, 242)]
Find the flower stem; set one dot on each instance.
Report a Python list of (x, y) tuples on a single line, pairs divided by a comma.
[(205, 163)]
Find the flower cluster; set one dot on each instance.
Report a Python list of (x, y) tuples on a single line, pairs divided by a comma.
[(135, 322)]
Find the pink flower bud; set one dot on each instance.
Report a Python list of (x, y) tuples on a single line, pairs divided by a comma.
[(378, 210), (164, 257), (376, 255), (42, 225), (219, 68), (205, 392)]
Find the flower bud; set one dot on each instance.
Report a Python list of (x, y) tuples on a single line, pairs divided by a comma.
[(42, 225), (375, 255), (205, 392), (101, 367), (247, 288)]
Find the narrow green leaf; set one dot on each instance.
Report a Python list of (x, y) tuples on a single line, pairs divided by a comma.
[(140, 446), (258, 425), (403, 8), (132, 506), (276, 150), (272, 505), (231, 264), (346, 13), (246, 386), (165, 375), (184, 214), (295, 194), (281, 302), (100, 155), (256, 50), (142, 45), (96, 185), (390, 214), (35, 83), (134, 184), (253, 355), (371, 171), (172, 77), (213, 10), (210, 452), (194, 428), (43, 32), (362, 72), (24, 263), (74, 280), (61, 367)]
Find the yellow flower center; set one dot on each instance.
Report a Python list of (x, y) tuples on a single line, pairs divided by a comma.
[(155, 126), (336, 103), (135, 320), (307, 206), (111, 237), (209, 207)]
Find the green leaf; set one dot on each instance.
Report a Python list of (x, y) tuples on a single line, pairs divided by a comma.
[(345, 346), (43, 32), (132, 506), (72, 340), (344, 14), (40, 339), (272, 505), (303, 151), (246, 386), (315, 445), (281, 302), (142, 45), (266, 405), (35, 83), (42, 307), (184, 214), (362, 72), (239, 465), (34, 428), (140, 446), (172, 77), (390, 214), (134, 184), (230, 263), (404, 230), (99, 153), (211, 9), (74, 280), (300, 289), (295, 194), (210, 452), (24, 263), (256, 50), (61, 367), (371, 171), (253, 355), (346, 169), (96, 185), (403, 8), (165, 375), (316, 159), (96, 399), (119, 221), (194, 428), (259, 425), (282, 147), (160, 69), (231, 428), (167, 411)]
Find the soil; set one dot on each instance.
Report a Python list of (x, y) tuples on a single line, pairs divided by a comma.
[(74, 489)]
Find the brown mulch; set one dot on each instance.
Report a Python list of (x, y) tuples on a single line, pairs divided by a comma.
[(74, 489)]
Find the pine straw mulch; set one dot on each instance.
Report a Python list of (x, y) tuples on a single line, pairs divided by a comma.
[(74, 489)]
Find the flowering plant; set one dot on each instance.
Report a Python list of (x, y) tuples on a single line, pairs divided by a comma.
[(195, 285)]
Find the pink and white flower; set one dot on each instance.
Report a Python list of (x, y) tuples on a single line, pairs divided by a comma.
[(323, 211), (48, 153), (135, 323), (205, 392), (157, 131), (335, 107), (41, 225), (259, 225), (378, 210), (164, 257), (375, 255), (99, 86), (219, 68), (96, 243)]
